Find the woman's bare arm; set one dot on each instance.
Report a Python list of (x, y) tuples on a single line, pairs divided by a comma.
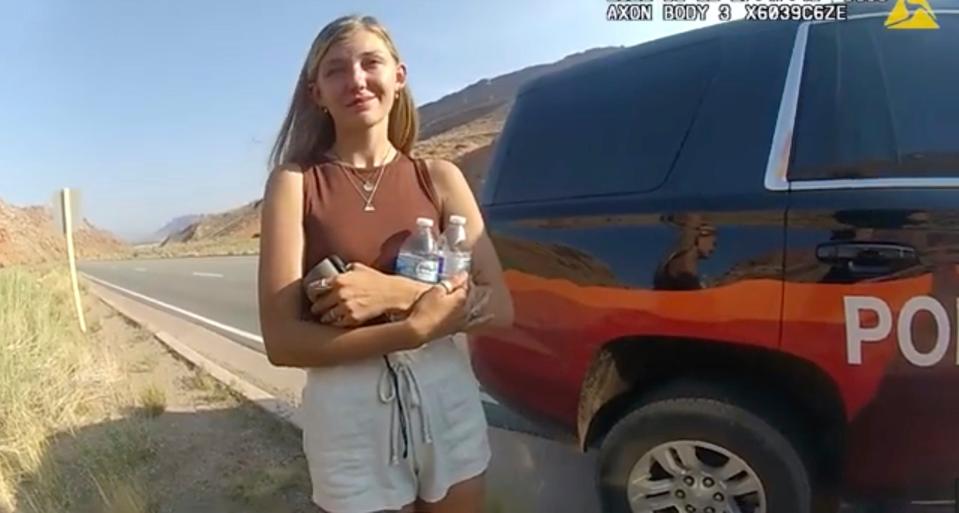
[(289, 340), (487, 273)]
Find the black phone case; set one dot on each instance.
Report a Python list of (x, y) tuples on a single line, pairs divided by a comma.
[(338, 263)]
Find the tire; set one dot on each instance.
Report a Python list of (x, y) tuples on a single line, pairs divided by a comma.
[(712, 420)]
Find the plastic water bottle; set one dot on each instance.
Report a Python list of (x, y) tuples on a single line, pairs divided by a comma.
[(418, 257), (455, 256)]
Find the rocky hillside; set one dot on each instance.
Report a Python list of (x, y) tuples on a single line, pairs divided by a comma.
[(468, 145), (490, 95), (175, 226), (461, 127), (29, 235), (240, 223)]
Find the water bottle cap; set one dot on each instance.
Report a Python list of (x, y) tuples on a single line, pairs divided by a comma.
[(455, 219), (424, 221)]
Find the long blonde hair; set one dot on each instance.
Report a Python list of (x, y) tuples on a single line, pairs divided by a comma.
[(307, 132)]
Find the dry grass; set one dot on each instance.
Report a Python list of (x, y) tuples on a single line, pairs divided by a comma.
[(197, 381), (55, 380), (145, 364), (200, 381), (152, 401)]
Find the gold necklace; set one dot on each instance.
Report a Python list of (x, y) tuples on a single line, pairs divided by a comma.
[(368, 184), (370, 188)]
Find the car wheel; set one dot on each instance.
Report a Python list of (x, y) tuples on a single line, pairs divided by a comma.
[(699, 450)]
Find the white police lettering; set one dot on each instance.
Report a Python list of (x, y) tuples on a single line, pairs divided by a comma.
[(857, 333)]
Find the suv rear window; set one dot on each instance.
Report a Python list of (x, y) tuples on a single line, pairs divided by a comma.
[(616, 129), (878, 103)]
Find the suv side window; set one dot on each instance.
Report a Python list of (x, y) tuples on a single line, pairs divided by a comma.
[(613, 130), (878, 103)]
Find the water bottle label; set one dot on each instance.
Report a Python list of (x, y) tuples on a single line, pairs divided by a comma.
[(421, 269)]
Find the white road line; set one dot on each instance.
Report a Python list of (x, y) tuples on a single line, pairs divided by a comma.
[(140, 269), (208, 275), (210, 322), (196, 317)]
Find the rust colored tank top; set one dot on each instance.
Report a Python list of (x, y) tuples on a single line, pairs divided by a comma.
[(334, 220)]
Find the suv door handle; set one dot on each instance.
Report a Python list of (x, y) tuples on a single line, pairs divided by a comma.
[(866, 257)]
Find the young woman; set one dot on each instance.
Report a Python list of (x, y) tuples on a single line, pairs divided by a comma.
[(393, 418)]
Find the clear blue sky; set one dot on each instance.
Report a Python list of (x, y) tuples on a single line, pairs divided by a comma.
[(156, 109)]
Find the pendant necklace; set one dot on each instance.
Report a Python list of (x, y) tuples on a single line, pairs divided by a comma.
[(368, 189)]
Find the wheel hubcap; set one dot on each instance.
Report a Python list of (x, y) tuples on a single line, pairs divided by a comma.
[(690, 476)]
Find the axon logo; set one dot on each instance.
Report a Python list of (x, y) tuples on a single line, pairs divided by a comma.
[(857, 333), (921, 17)]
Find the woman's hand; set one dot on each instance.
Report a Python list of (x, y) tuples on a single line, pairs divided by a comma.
[(445, 309), (351, 298)]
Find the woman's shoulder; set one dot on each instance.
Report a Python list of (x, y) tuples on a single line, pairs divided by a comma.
[(284, 177), (442, 172), (291, 167), (288, 167), (292, 171), (440, 165)]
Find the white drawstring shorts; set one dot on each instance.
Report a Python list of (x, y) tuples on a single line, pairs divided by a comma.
[(376, 437)]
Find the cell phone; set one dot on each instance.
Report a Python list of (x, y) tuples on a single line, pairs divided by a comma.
[(328, 267), (338, 263)]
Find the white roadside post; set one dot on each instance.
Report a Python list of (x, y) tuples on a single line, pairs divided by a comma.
[(67, 206)]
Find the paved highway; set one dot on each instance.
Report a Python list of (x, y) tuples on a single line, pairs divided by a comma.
[(222, 289)]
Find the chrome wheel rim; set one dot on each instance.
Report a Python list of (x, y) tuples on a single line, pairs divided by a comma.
[(691, 476)]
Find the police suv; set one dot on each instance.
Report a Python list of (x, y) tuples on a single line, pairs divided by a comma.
[(734, 257)]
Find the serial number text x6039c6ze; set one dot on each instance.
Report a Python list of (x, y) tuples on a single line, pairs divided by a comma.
[(807, 12)]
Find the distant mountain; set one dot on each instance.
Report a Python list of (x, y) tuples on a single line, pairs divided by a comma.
[(488, 95), (174, 226), (239, 223), (463, 126)]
